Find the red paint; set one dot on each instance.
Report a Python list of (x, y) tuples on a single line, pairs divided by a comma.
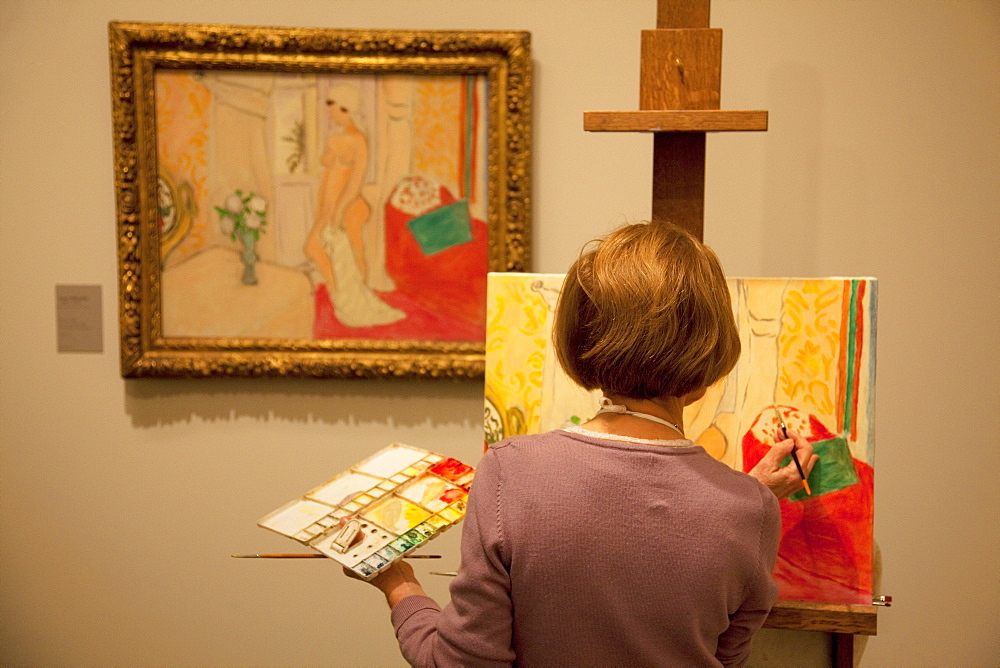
[(451, 283), (455, 471), (825, 554), (452, 495), (419, 324)]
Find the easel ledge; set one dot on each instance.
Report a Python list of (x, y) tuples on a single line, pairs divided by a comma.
[(828, 617)]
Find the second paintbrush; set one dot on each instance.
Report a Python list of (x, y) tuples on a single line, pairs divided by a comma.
[(312, 555)]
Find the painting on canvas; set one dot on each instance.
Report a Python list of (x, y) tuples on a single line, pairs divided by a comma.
[(808, 352), (354, 204)]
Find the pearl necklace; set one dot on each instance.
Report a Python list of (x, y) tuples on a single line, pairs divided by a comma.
[(608, 407)]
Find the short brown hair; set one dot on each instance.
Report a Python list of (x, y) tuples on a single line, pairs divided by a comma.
[(646, 313)]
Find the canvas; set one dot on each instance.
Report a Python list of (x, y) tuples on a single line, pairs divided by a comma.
[(379, 510), (808, 353)]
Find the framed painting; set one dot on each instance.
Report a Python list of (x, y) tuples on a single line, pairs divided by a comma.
[(312, 202)]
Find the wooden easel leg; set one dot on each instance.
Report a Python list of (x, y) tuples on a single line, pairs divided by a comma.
[(679, 179), (843, 650)]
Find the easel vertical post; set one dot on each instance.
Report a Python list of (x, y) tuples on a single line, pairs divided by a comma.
[(680, 68), (679, 179), (689, 14), (843, 650)]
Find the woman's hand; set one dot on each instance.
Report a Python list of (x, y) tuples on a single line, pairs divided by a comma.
[(785, 480), (396, 582)]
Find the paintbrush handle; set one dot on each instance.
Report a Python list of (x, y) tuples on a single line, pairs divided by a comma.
[(310, 555), (279, 556), (805, 483)]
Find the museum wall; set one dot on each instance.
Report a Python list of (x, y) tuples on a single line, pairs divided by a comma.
[(121, 500)]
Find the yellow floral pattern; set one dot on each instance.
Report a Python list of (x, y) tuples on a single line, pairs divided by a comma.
[(517, 330), (437, 124), (809, 345)]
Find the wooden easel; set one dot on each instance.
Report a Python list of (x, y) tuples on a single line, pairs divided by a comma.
[(679, 96)]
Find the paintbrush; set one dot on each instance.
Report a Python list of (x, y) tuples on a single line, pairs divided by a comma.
[(312, 555), (795, 457)]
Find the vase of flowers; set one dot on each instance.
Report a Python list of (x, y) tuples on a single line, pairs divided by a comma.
[(242, 218)]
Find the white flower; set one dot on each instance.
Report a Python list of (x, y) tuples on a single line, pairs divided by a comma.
[(227, 224), (234, 204), (253, 220), (257, 204)]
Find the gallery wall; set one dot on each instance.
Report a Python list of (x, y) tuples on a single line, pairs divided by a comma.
[(121, 501)]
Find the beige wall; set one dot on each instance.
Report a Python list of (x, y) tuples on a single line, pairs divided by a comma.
[(121, 501)]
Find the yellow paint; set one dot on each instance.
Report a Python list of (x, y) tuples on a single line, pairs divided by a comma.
[(516, 335), (396, 514), (450, 514), (809, 346)]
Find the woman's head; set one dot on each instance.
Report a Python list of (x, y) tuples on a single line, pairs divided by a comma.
[(343, 100), (645, 313)]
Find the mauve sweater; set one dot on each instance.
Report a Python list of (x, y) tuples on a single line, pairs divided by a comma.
[(578, 550)]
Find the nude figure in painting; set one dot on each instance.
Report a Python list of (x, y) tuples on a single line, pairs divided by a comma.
[(335, 243)]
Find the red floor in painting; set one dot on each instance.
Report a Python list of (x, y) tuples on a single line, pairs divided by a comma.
[(442, 293), (419, 323)]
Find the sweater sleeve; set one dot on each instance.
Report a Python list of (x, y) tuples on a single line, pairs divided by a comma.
[(735, 642), (475, 628)]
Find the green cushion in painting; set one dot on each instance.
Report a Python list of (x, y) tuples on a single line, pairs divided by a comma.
[(442, 228), (833, 471)]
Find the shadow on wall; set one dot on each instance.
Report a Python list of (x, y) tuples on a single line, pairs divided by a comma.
[(404, 403)]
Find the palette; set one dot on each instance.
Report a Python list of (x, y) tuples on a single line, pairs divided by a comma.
[(378, 510)]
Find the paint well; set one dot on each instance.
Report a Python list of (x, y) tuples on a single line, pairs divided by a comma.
[(390, 461), (450, 514), (431, 492), (295, 516), (455, 471), (396, 514), (342, 489)]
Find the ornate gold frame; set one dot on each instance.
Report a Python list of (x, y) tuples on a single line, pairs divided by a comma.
[(138, 50)]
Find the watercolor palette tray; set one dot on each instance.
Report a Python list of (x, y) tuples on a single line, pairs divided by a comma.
[(378, 510)]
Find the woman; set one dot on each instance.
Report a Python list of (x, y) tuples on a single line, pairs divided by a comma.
[(335, 243), (618, 542)]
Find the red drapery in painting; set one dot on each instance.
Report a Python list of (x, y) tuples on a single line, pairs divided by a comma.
[(825, 553)]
